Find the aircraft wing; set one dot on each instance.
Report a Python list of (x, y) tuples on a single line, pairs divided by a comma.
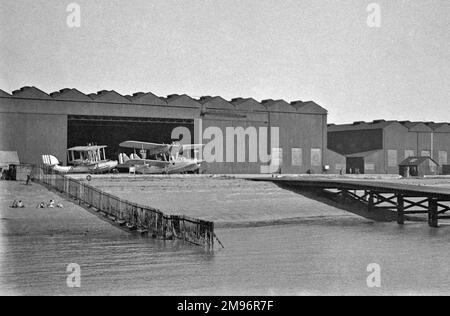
[(192, 146), (152, 148), (141, 162)]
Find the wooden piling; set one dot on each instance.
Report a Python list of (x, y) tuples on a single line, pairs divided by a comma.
[(370, 206), (433, 212), (400, 209)]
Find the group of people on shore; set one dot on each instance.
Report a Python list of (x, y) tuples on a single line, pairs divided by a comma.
[(17, 204), (51, 204)]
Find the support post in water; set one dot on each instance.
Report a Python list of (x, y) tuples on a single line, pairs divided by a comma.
[(371, 202), (433, 212), (400, 209)]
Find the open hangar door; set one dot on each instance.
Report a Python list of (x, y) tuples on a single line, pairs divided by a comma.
[(111, 131)]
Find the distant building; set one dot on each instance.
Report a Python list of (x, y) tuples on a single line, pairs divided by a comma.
[(33, 123), (380, 146)]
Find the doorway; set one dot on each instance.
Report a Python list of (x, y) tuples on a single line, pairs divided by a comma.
[(355, 165)]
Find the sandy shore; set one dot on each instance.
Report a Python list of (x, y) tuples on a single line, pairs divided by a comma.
[(229, 202), (32, 221)]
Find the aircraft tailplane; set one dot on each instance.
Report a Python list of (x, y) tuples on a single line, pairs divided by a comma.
[(50, 160)]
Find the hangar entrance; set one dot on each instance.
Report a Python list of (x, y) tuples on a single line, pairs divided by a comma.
[(111, 131), (355, 165)]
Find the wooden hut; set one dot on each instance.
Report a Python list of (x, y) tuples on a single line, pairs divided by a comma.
[(418, 167)]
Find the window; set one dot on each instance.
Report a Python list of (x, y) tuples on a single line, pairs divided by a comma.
[(409, 153), (425, 153), (392, 158), (443, 159), (316, 157), (277, 157), (369, 167), (297, 156)]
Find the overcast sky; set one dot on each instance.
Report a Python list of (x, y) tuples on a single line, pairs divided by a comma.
[(321, 50)]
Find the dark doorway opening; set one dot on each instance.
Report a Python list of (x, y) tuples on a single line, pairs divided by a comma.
[(355, 165), (111, 131)]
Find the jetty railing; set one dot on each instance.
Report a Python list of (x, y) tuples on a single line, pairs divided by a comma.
[(133, 216)]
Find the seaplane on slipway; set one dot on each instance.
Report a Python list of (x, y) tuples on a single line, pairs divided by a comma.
[(168, 158), (82, 159)]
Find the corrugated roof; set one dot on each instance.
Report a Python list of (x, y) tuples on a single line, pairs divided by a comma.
[(361, 126), (308, 107), (415, 161), (247, 104), (426, 127), (109, 96), (4, 94), (208, 102), (440, 127), (9, 158), (182, 100), (70, 95), (278, 105), (217, 103), (31, 93), (147, 98), (416, 126)]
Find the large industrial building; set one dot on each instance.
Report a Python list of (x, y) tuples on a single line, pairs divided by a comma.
[(380, 146), (34, 123)]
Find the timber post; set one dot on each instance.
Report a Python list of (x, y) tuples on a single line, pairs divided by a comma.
[(400, 209), (371, 207), (433, 212)]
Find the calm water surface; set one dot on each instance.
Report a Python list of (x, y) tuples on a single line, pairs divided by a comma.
[(328, 255)]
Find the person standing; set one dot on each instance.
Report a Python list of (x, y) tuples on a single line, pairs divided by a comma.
[(28, 179)]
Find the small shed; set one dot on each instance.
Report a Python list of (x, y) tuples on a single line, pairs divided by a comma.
[(418, 167), (8, 161), (8, 158)]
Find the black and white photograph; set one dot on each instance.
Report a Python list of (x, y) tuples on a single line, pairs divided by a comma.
[(224, 153)]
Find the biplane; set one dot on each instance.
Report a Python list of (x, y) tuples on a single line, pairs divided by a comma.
[(154, 158), (82, 159)]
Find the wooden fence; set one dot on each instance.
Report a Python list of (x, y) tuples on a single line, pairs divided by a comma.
[(135, 217)]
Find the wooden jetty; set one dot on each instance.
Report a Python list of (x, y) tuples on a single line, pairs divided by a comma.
[(404, 199)]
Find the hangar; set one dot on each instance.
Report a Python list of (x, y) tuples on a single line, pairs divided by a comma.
[(379, 147), (35, 123)]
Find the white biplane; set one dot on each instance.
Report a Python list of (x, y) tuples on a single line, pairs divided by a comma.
[(82, 159), (168, 159)]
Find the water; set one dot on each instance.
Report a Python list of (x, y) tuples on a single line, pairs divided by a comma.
[(328, 254)]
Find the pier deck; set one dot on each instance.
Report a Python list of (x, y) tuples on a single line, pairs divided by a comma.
[(403, 198)]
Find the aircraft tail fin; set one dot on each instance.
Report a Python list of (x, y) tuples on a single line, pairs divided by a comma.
[(50, 160), (123, 158)]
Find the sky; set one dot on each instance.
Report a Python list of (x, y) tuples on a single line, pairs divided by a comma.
[(320, 50)]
